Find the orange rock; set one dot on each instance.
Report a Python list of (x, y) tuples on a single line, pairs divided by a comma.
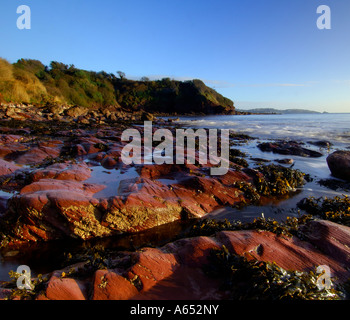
[(288, 253), (152, 266), (109, 285), (65, 289)]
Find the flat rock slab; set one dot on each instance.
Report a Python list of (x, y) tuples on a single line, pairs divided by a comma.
[(63, 171), (58, 204), (175, 271)]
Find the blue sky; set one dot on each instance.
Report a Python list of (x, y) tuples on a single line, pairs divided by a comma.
[(258, 53)]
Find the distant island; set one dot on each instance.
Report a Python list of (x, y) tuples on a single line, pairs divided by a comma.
[(276, 111), (31, 82)]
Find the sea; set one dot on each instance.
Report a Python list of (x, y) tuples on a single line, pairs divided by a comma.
[(306, 128), (334, 127)]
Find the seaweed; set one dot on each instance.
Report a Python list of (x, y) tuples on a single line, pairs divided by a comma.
[(259, 280), (335, 209), (270, 180), (289, 227), (278, 180), (240, 136), (240, 161), (249, 191), (102, 146), (38, 284), (237, 153)]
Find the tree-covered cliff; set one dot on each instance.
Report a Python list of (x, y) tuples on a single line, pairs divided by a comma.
[(30, 81)]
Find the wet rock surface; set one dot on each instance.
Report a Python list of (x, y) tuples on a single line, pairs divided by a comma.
[(178, 269), (288, 148), (339, 164), (53, 201), (55, 171)]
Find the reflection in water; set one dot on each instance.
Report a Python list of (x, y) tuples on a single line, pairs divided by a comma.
[(112, 179)]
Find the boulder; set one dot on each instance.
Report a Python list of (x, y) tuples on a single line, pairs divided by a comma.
[(109, 162), (76, 111), (339, 164)]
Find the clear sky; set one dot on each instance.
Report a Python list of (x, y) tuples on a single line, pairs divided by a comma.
[(259, 53)]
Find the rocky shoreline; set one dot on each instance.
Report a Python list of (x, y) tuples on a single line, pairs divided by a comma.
[(50, 160)]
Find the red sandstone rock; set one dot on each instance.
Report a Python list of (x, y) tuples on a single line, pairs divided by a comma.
[(37, 155), (9, 150), (7, 167), (109, 162), (109, 285), (53, 209), (331, 238), (175, 271), (10, 138), (288, 253), (63, 171), (141, 203), (65, 289)]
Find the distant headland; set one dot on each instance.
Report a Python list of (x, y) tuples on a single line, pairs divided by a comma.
[(277, 111)]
